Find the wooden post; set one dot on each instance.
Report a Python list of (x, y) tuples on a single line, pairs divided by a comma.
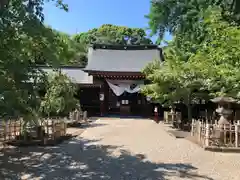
[(167, 115), (102, 100), (192, 128), (9, 129), (172, 116), (71, 116), (14, 128), (230, 133), (78, 116), (53, 128), (48, 126), (236, 135), (85, 116), (20, 128), (5, 130), (65, 129), (164, 116), (199, 130), (225, 134), (207, 135)]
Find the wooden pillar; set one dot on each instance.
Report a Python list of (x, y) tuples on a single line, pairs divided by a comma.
[(207, 135), (102, 100), (236, 135), (104, 96)]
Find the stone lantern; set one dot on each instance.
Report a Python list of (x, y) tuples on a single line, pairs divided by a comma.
[(224, 109)]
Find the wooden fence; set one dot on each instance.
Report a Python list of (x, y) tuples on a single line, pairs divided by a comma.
[(77, 116), (173, 118), (49, 128), (214, 135)]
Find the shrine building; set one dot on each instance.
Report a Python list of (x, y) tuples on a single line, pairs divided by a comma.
[(110, 83)]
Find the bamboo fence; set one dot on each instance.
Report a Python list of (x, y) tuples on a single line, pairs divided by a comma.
[(11, 129)]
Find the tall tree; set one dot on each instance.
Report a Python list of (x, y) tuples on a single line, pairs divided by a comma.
[(221, 51), (112, 34), (23, 40), (180, 16), (212, 69), (175, 79), (70, 52)]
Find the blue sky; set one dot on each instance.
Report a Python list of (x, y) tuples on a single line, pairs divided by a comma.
[(87, 14)]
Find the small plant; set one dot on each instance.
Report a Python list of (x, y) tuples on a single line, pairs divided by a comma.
[(59, 97)]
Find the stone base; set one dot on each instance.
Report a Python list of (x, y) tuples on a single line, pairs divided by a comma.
[(222, 149)]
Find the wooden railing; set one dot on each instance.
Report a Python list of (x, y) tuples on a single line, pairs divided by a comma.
[(173, 118), (212, 135), (47, 128)]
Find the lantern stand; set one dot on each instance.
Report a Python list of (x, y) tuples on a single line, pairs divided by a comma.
[(224, 109), (225, 112)]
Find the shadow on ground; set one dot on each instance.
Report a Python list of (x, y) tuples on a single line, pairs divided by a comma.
[(85, 125), (82, 159), (179, 133)]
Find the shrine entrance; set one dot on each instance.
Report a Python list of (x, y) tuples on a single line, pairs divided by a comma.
[(117, 69), (125, 99)]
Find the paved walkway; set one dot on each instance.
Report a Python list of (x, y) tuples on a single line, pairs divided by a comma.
[(130, 149)]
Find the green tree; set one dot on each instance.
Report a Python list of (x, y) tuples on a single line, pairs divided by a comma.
[(175, 79), (70, 52), (221, 51), (24, 40), (210, 68), (59, 98), (180, 16), (112, 34)]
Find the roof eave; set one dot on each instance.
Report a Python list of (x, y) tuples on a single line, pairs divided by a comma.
[(125, 47)]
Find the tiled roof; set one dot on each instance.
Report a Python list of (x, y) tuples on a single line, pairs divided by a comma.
[(121, 60), (77, 75)]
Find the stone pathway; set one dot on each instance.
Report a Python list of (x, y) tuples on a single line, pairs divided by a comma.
[(120, 149)]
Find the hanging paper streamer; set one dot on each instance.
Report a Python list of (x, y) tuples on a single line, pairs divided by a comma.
[(121, 86)]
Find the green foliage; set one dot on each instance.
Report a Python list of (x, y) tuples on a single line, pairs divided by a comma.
[(112, 34), (180, 16), (175, 79), (24, 41), (70, 51), (59, 97), (197, 67), (221, 51)]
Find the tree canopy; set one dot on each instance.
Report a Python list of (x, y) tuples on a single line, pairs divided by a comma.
[(180, 16), (70, 52), (24, 41), (112, 34), (59, 98), (202, 60)]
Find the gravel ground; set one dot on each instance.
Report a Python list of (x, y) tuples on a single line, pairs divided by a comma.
[(129, 149)]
